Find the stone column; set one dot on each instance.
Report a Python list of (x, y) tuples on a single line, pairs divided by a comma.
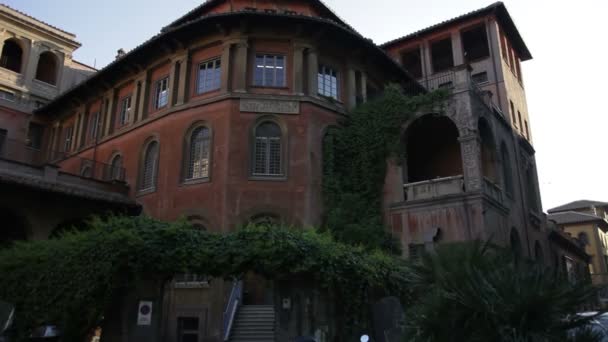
[(226, 84), (30, 63), (299, 74), (470, 147), (457, 51), (312, 72), (183, 79), (351, 88), (241, 66), (110, 113), (143, 102)]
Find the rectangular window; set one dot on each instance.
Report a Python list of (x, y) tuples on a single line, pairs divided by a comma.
[(269, 71), (69, 131), (94, 126), (209, 76), (34, 135), (475, 43), (125, 111), (519, 123), (503, 47), (161, 96), (8, 96), (441, 54), (480, 77), (412, 62), (327, 80), (526, 129), (187, 329), (267, 156), (518, 69)]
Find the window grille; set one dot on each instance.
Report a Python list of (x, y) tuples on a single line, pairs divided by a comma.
[(116, 168), (199, 151), (209, 76), (149, 171), (268, 150), (269, 71), (327, 79), (162, 93)]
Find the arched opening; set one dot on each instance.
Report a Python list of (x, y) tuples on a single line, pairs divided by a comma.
[(515, 242), (86, 172), (507, 173), (433, 149), (538, 252), (265, 219), (488, 151), (116, 170), (12, 56), (149, 167), (15, 228), (268, 150), (198, 153), (198, 222), (47, 68), (77, 224)]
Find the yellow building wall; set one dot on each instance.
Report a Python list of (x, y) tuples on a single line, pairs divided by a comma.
[(597, 248)]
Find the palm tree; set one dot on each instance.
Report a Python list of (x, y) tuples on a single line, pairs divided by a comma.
[(478, 292)]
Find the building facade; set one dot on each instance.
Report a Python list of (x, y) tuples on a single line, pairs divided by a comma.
[(221, 119)]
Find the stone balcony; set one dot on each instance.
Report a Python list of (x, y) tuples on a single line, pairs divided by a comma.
[(434, 188)]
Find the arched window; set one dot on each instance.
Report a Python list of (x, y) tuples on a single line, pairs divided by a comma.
[(12, 56), (86, 172), (265, 219), (268, 150), (149, 167), (47, 68), (507, 173), (538, 253), (198, 151), (197, 222), (116, 170), (515, 242)]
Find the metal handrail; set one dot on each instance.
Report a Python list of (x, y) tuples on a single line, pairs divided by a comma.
[(232, 306)]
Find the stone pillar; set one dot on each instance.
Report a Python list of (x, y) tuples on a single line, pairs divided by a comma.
[(184, 79), (364, 87), (176, 66), (143, 102), (312, 72), (226, 84), (457, 51), (470, 147), (350, 95), (30, 63), (240, 66), (110, 112), (427, 63), (299, 74)]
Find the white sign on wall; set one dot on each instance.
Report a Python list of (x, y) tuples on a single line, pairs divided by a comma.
[(144, 314)]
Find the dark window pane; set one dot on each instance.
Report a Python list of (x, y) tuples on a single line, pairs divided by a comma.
[(441, 53), (475, 43)]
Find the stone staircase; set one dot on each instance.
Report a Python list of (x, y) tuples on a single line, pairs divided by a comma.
[(253, 323)]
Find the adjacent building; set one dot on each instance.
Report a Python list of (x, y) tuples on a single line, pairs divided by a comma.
[(587, 222), (221, 118)]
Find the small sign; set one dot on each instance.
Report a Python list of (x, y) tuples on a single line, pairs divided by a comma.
[(270, 106), (144, 315)]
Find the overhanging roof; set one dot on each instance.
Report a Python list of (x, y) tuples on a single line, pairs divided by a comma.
[(154, 47), (573, 217), (497, 8), (576, 205)]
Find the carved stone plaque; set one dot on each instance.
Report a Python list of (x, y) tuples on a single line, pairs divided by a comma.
[(270, 106)]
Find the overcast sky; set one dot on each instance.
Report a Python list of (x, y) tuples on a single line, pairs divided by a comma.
[(566, 82)]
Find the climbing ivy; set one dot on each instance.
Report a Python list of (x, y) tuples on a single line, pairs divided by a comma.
[(72, 280), (355, 155)]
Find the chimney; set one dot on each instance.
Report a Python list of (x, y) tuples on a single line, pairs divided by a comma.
[(121, 53)]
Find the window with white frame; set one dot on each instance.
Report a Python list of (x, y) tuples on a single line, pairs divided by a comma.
[(327, 79), (125, 110), (209, 76), (68, 138), (269, 71), (94, 125), (161, 97), (198, 154), (267, 151), (149, 167)]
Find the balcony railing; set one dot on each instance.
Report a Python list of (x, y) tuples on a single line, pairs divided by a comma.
[(18, 151), (434, 188), (444, 80)]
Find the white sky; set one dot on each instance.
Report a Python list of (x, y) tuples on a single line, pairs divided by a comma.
[(565, 82)]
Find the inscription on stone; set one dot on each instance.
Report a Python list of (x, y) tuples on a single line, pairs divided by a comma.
[(270, 106)]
